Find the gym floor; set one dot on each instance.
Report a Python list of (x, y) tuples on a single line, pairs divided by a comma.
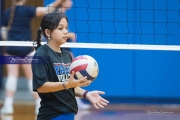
[(24, 109)]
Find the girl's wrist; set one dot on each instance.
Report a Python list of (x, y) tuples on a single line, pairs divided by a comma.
[(65, 85), (85, 94)]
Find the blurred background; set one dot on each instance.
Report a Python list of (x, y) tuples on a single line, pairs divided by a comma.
[(140, 84)]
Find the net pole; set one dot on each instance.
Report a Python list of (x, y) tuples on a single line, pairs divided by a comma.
[(1, 70), (1, 67), (99, 46)]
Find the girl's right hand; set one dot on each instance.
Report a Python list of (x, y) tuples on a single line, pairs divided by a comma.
[(72, 83)]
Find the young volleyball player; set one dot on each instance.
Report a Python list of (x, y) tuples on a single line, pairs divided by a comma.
[(65, 6), (56, 87)]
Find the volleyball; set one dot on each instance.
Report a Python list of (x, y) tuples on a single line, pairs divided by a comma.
[(84, 65)]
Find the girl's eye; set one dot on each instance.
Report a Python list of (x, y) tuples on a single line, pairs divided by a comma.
[(63, 28)]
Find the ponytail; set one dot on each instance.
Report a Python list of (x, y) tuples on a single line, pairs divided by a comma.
[(37, 41)]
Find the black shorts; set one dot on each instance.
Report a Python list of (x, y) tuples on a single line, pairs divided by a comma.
[(18, 51)]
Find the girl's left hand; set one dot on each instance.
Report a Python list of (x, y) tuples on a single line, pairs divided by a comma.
[(96, 99)]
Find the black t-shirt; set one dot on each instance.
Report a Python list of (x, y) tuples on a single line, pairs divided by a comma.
[(50, 66)]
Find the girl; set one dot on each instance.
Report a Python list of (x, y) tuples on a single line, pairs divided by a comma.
[(56, 87), (16, 21), (65, 6)]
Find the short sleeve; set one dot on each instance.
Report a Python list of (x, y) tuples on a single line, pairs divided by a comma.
[(30, 11), (39, 70)]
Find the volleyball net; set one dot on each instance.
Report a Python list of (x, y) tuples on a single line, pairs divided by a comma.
[(120, 24), (128, 25)]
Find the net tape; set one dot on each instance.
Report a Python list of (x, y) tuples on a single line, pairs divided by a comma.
[(98, 45)]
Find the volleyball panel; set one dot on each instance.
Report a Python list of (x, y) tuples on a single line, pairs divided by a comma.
[(93, 71), (78, 65)]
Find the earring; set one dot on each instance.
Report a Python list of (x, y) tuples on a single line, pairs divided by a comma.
[(49, 38)]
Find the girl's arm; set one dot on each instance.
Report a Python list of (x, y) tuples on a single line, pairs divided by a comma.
[(72, 36), (93, 96), (4, 33), (56, 86), (79, 92), (51, 87), (41, 11)]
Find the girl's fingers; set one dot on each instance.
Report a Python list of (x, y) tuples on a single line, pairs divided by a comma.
[(100, 105), (101, 92), (104, 100), (83, 79), (86, 83), (72, 74), (96, 106), (103, 103)]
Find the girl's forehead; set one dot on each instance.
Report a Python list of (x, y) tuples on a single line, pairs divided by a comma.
[(63, 21)]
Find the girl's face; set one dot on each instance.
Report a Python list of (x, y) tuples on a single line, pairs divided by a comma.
[(60, 34), (67, 4)]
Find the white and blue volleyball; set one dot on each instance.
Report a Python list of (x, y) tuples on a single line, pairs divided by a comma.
[(84, 65)]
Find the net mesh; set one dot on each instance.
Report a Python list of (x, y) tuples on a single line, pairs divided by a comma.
[(127, 22)]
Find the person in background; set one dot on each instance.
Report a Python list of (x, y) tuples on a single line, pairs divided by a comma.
[(16, 27), (66, 5), (52, 79)]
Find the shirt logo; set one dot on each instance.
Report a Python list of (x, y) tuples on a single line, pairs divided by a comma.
[(62, 71)]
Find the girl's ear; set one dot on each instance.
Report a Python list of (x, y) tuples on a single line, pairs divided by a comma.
[(47, 32)]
